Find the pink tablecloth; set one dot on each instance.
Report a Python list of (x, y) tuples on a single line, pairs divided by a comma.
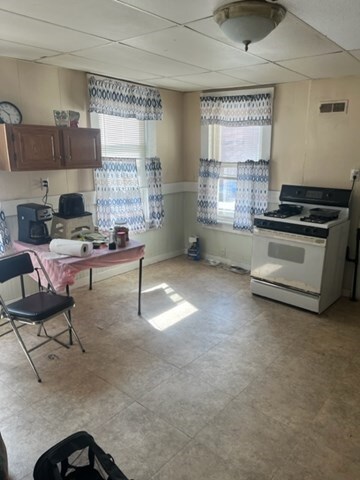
[(63, 269)]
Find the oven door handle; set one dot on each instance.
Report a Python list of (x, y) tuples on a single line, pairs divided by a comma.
[(290, 237)]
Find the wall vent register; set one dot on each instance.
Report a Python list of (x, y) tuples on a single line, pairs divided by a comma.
[(334, 107)]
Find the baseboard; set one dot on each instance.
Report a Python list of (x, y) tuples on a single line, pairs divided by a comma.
[(226, 261)]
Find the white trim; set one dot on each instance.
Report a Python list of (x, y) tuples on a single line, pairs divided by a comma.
[(9, 206), (171, 188), (227, 228)]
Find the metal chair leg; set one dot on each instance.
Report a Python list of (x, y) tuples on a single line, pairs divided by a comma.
[(68, 320), (22, 344)]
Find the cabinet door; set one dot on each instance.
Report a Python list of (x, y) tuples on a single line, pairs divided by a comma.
[(81, 147), (36, 147)]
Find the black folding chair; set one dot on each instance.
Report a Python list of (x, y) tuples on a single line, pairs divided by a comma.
[(36, 308)]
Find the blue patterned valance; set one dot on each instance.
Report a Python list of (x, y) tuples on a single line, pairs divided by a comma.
[(236, 110), (114, 97)]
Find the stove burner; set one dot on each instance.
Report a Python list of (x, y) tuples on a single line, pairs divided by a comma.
[(285, 210), (321, 215), (315, 219)]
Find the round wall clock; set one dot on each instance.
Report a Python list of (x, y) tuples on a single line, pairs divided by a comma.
[(9, 113)]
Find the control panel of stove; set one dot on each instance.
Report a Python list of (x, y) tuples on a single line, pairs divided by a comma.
[(316, 195), (310, 231)]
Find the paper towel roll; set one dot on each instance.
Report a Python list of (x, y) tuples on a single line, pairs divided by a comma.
[(75, 248)]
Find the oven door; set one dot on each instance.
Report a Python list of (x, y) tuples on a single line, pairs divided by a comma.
[(290, 260)]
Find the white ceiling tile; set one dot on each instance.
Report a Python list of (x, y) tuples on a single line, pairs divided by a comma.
[(337, 19), (175, 84), (209, 28), (105, 18), (23, 52), (301, 40), (213, 80), (179, 11), (85, 64), (185, 45), (355, 53), (139, 60), (20, 29), (267, 73), (323, 66)]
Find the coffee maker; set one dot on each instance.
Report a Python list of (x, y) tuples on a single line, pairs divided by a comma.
[(31, 222)]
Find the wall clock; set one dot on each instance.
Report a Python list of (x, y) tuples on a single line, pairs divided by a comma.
[(9, 113)]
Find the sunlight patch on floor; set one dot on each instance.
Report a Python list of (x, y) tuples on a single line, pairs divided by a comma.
[(181, 310)]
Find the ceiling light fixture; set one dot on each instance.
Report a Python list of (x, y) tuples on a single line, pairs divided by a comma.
[(249, 21)]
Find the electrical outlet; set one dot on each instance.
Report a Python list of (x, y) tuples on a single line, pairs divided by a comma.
[(44, 183), (355, 174)]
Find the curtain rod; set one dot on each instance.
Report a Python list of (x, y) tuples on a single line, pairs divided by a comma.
[(120, 79)]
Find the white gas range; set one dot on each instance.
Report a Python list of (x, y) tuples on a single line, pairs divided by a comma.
[(299, 249)]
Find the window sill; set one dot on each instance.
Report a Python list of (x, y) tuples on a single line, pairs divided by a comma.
[(227, 228)]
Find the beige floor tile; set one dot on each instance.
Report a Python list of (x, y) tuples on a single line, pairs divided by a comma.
[(180, 345), (196, 461), (247, 438), (185, 402), (139, 441), (83, 406), (285, 400), (226, 367), (26, 437), (337, 426), (132, 370), (311, 459)]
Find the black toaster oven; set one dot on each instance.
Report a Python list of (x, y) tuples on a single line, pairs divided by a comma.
[(71, 205)]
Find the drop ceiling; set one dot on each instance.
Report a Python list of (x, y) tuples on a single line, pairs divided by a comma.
[(176, 44)]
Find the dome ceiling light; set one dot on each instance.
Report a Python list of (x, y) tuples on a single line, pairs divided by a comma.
[(249, 21)]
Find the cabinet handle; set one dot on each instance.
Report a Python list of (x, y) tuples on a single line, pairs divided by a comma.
[(53, 149)]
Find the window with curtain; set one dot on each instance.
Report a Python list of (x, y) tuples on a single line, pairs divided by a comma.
[(236, 132), (128, 186), (127, 138)]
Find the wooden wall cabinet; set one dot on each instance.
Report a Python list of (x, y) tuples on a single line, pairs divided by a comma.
[(81, 147), (37, 147)]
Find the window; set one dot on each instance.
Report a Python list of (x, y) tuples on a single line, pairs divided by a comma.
[(230, 145), (128, 138), (125, 137)]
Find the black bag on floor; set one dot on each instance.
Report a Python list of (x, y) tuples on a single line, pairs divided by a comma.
[(77, 457)]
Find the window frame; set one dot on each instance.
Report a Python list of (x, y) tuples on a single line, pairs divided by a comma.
[(148, 149), (211, 147)]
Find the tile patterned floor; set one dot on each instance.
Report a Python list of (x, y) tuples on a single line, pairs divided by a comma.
[(208, 383)]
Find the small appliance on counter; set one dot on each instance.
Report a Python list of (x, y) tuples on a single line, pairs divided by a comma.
[(72, 220), (31, 222), (71, 205)]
